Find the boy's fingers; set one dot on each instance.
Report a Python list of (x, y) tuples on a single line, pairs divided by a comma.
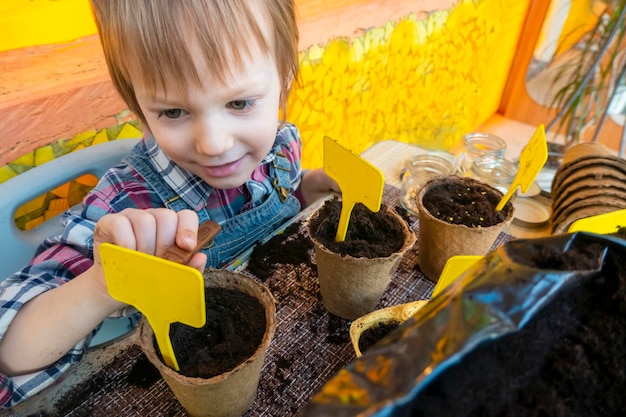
[(198, 261), (187, 229), (117, 229)]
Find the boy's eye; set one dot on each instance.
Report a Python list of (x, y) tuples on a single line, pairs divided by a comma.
[(172, 113), (240, 104)]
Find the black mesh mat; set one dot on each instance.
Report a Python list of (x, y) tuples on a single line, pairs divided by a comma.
[(310, 346)]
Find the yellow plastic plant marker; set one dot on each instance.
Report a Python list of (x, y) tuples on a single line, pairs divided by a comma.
[(163, 290), (453, 268), (602, 223), (359, 181), (531, 160)]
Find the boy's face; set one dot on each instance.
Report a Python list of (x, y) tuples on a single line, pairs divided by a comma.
[(219, 132)]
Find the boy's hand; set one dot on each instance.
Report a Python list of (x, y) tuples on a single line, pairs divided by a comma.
[(151, 231), (316, 184)]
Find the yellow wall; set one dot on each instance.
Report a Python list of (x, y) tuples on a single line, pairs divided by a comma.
[(37, 22), (423, 81)]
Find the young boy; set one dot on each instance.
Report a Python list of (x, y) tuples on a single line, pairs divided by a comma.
[(207, 79)]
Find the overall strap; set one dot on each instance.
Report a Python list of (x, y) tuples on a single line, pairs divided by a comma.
[(279, 172), (170, 199)]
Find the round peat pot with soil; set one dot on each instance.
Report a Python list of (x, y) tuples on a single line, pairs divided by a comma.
[(354, 274), (220, 363), (457, 216)]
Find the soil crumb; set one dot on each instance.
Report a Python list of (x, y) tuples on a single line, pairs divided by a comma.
[(372, 335), (338, 330), (287, 248), (143, 374)]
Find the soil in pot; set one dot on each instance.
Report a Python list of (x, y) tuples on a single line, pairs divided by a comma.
[(369, 235), (372, 335), (457, 216), (234, 329), (474, 206), (568, 360)]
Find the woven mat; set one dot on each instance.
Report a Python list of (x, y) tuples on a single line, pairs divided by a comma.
[(310, 346)]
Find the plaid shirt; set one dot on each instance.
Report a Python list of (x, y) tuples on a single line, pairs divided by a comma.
[(61, 258)]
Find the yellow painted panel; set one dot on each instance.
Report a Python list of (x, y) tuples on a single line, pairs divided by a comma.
[(6, 173), (43, 155), (129, 132), (31, 224), (49, 214), (31, 206), (26, 160), (62, 191), (425, 81), (88, 180), (38, 22), (101, 137), (58, 204)]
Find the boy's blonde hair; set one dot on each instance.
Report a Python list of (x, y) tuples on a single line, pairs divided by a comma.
[(150, 40)]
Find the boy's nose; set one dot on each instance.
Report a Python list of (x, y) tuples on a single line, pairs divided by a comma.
[(212, 136)]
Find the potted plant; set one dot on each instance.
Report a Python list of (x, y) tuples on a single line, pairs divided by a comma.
[(594, 81)]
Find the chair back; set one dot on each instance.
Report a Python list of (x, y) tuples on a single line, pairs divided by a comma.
[(18, 246)]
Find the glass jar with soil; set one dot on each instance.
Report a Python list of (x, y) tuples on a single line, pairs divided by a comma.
[(353, 274), (457, 216), (220, 363)]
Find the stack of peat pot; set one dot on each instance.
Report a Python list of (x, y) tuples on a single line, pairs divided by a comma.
[(589, 182)]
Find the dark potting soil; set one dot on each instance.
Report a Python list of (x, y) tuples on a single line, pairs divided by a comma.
[(576, 259), (470, 205), (143, 374), (338, 330), (369, 235), (569, 360), (372, 335), (289, 247), (234, 329)]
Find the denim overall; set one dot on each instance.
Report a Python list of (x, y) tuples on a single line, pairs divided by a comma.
[(245, 229)]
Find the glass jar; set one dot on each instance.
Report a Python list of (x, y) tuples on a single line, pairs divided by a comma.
[(479, 144), (495, 171), (419, 170)]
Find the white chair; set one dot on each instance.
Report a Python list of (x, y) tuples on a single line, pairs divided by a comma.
[(18, 246)]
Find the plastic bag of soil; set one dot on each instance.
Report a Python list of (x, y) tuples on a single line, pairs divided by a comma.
[(537, 328)]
